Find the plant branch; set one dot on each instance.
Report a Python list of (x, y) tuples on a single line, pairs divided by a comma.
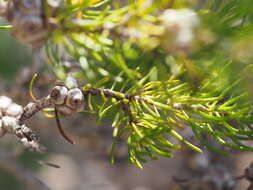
[(32, 108)]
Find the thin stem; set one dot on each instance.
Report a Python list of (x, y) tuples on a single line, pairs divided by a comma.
[(64, 135)]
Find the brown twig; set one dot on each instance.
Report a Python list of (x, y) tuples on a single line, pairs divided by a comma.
[(32, 108), (116, 95), (24, 134), (29, 138)]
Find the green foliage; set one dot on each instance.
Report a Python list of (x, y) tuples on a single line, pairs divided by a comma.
[(160, 91), (152, 85), (153, 114)]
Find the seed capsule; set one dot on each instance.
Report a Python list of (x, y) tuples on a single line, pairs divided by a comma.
[(26, 18), (14, 110), (28, 6), (9, 123), (29, 30), (75, 100), (59, 95), (5, 102)]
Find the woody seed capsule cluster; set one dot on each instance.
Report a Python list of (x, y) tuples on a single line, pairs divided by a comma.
[(67, 101), (26, 18), (9, 124)]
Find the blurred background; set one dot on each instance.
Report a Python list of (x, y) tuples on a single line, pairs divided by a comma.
[(85, 166)]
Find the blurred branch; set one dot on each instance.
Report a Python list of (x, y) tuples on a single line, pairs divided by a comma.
[(9, 124)]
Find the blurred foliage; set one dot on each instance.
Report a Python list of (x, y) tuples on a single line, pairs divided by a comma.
[(8, 180), (168, 65), (13, 56)]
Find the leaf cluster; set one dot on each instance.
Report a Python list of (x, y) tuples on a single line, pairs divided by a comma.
[(131, 68)]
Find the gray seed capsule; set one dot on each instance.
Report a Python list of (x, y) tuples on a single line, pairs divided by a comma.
[(9, 123), (24, 141), (25, 17), (59, 95), (5, 102), (29, 30), (75, 99), (14, 110), (28, 6)]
